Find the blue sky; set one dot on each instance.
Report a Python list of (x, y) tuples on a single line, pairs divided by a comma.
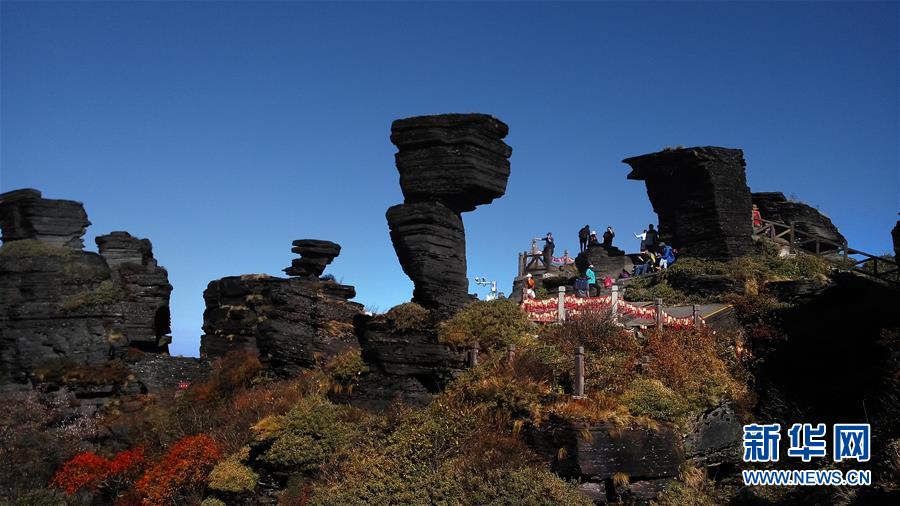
[(224, 130)]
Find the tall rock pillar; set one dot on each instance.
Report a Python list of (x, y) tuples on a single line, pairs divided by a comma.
[(701, 197), (448, 164)]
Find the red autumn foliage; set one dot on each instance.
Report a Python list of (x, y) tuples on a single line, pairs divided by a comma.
[(184, 467), (90, 471)]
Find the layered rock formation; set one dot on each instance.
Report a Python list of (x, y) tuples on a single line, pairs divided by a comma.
[(65, 312), (292, 323), (145, 312), (774, 206), (701, 197), (25, 214), (448, 164)]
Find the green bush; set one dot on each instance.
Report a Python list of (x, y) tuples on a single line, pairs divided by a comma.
[(232, 475), (307, 435), (650, 398), (492, 324), (346, 368), (651, 289), (408, 316)]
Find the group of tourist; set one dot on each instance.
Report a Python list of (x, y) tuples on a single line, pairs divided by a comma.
[(655, 255), (587, 238)]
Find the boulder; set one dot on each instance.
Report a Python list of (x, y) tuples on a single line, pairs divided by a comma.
[(714, 437), (25, 214), (701, 197), (430, 242), (597, 452), (606, 261), (774, 206), (457, 159)]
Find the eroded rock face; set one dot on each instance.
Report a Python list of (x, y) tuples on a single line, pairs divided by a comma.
[(25, 214), (774, 206), (448, 164), (67, 313), (701, 197), (145, 311), (431, 244), (292, 324)]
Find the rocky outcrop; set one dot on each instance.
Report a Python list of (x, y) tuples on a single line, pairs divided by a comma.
[(25, 214), (448, 164), (701, 197), (406, 365), (145, 311), (774, 206), (292, 323), (594, 454), (68, 318), (607, 261), (895, 236)]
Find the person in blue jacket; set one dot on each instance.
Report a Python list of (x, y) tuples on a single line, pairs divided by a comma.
[(591, 278), (666, 256)]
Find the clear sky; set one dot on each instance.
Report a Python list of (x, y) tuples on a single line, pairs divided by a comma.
[(224, 130)]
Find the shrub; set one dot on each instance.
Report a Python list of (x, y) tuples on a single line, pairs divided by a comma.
[(407, 316), (212, 501), (492, 324), (90, 471), (346, 368), (307, 435), (650, 398), (182, 469), (107, 292), (233, 475)]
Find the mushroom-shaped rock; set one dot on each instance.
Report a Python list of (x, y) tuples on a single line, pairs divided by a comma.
[(457, 159), (701, 197), (314, 256)]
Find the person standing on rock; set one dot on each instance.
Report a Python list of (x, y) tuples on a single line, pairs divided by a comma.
[(608, 237), (591, 279), (583, 236), (643, 237), (651, 239), (592, 240), (529, 286), (756, 217), (548, 249)]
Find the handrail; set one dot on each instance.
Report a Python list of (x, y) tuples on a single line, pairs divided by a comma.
[(776, 231)]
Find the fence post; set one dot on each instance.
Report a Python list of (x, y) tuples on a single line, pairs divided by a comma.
[(473, 355), (695, 313), (510, 353), (521, 263), (614, 303), (659, 314), (579, 373), (844, 247), (791, 236), (561, 305)]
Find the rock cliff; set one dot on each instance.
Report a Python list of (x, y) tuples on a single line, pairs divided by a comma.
[(775, 206), (701, 197)]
